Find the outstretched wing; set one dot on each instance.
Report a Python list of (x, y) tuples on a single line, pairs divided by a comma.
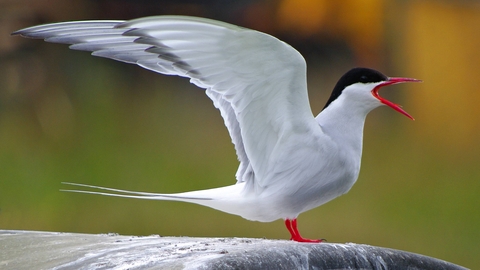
[(256, 81)]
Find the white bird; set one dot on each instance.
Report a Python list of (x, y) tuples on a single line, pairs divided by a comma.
[(290, 161)]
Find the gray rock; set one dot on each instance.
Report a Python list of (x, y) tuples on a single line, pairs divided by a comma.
[(50, 250)]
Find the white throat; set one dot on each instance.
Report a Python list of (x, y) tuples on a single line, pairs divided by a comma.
[(344, 119)]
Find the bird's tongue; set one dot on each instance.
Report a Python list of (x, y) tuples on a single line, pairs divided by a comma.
[(392, 105)]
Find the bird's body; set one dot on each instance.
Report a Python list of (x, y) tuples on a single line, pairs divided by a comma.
[(290, 161)]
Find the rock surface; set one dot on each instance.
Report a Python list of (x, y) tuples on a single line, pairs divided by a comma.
[(50, 250)]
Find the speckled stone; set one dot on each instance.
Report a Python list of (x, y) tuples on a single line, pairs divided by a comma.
[(51, 250)]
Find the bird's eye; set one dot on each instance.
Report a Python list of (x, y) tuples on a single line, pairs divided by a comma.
[(364, 78)]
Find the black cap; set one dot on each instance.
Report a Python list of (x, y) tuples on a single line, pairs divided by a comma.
[(355, 75)]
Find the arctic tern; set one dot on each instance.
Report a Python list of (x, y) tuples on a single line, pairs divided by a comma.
[(290, 161)]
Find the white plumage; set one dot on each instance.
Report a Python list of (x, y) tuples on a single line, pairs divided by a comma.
[(290, 161)]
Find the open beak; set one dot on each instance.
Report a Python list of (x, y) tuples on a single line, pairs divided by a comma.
[(391, 81)]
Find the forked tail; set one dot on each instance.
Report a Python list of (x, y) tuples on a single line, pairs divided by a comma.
[(137, 195), (232, 199)]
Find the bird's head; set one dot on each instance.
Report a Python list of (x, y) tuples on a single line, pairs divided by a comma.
[(360, 86)]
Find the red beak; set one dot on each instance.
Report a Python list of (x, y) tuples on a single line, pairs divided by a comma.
[(391, 81)]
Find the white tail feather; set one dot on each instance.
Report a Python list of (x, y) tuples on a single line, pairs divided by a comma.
[(225, 199), (130, 194)]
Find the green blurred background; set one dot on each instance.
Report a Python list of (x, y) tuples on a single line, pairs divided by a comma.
[(66, 116)]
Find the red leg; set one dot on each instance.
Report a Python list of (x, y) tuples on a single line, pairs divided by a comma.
[(288, 223), (292, 228)]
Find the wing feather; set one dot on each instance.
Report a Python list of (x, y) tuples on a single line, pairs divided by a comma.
[(256, 81)]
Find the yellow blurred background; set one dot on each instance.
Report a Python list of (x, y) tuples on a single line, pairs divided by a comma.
[(66, 116)]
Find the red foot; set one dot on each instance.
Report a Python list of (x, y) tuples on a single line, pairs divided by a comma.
[(292, 228)]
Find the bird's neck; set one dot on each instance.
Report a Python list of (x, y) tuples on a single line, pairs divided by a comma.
[(344, 125)]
